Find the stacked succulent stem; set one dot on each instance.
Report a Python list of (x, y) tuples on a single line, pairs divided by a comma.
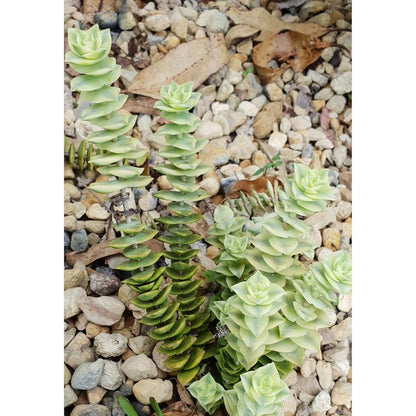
[(188, 330)]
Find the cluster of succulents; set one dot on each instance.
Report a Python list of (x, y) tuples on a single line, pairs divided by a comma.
[(267, 300)]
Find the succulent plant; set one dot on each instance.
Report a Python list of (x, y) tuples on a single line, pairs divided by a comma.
[(88, 55), (252, 316), (187, 330), (208, 393), (259, 393), (227, 234), (307, 192)]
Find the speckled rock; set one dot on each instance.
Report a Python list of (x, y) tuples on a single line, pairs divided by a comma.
[(159, 358), (110, 345), (208, 130), (87, 375), (342, 84), (70, 396), (242, 147), (157, 22), (105, 310), (341, 393), (139, 367), (104, 282), (90, 410), (78, 351), (337, 103), (142, 345), (324, 371), (160, 390), (321, 403), (71, 298), (230, 120), (112, 377)]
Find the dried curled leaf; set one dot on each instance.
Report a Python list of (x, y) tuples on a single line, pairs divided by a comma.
[(293, 48), (261, 19), (246, 186), (238, 32), (192, 61)]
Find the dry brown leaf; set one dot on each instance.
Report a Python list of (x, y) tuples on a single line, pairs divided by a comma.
[(90, 7), (184, 395), (246, 186), (294, 48), (178, 409), (192, 61), (101, 250), (238, 32), (141, 105), (261, 19)]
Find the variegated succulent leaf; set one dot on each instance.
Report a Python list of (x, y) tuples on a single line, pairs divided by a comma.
[(259, 393), (208, 392)]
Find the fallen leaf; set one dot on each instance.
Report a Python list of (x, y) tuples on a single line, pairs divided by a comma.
[(192, 61), (178, 409), (293, 48), (90, 7), (141, 105), (238, 32), (269, 25), (184, 395), (200, 227), (246, 186), (101, 250)]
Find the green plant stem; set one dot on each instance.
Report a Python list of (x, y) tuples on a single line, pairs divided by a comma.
[(155, 407)]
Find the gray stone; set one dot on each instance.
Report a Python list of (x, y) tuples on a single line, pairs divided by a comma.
[(79, 240), (302, 410), (324, 371), (307, 151), (142, 345), (160, 390), (139, 367), (110, 345), (288, 406), (104, 283), (157, 22), (341, 393), (339, 154), (104, 310), (314, 134), (70, 396), (112, 378), (249, 87), (343, 330), (308, 385), (90, 410), (337, 103), (71, 298), (308, 367), (242, 147), (160, 358), (321, 403), (106, 20), (315, 76), (301, 122), (78, 351), (217, 22), (87, 375), (69, 335), (324, 94), (214, 154), (340, 369), (338, 353), (67, 240), (208, 130), (342, 84), (126, 21), (230, 120), (148, 202)]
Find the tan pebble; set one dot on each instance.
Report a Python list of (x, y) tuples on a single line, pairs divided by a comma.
[(79, 209), (232, 170), (68, 208), (343, 210), (331, 238), (126, 294), (345, 178), (172, 42), (212, 252), (70, 223), (92, 330), (93, 239), (316, 160), (89, 197), (334, 123), (245, 163), (82, 399), (217, 199), (347, 229), (235, 64), (318, 104), (211, 185), (68, 172), (67, 375), (95, 226), (163, 183), (129, 353), (96, 394), (346, 194), (118, 325), (259, 159), (127, 333), (162, 48), (80, 225), (249, 171), (200, 33), (97, 212), (245, 46), (72, 191)]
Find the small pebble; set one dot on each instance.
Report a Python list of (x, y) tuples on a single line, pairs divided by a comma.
[(104, 283), (97, 212), (96, 394), (208, 130), (301, 122), (341, 393), (342, 84), (90, 410), (79, 241), (324, 372), (112, 378), (211, 185), (126, 21), (142, 345), (148, 202), (110, 345), (78, 351), (70, 397), (160, 390), (106, 20), (139, 367), (321, 403), (71, 298), (157, 22), (104, 310), (337, 103)]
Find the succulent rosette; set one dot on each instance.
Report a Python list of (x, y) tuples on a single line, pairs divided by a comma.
[(208, 392), (307, 192), (252, 317), (332, 274), (259, 393), (175, 98)]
